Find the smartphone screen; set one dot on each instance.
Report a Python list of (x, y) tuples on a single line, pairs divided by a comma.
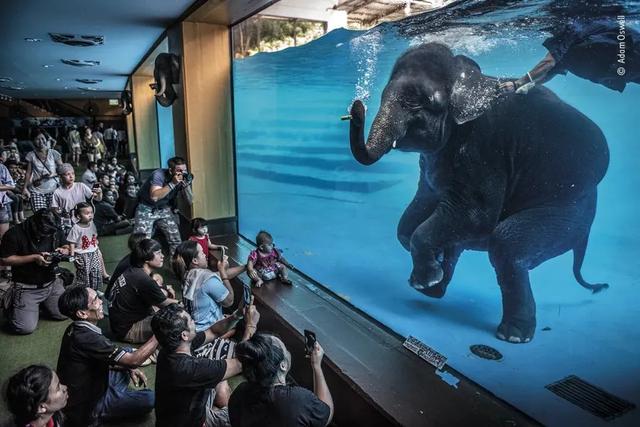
[(309, 341), (246, 294)]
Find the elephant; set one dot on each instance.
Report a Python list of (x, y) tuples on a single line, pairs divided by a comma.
[(166, 73), (513, 175)]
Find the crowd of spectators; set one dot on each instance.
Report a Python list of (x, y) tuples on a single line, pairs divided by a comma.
[(194, 345)]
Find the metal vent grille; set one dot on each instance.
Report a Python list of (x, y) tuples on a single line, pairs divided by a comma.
[(77, 40), (590, 398), (89, 81), (80, 62)]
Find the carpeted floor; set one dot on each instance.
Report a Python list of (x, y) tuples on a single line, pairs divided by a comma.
[(43, 345)]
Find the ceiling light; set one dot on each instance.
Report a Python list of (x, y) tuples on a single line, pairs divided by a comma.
[(12, 87), (87, 88), (77, 39), (5, 79), (80, 62), (32, 40), (58, 79), (89, 81), (47, 66)]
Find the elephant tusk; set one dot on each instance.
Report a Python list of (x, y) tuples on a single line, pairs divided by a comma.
[(347, 117)]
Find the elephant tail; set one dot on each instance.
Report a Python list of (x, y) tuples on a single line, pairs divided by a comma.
[(578, 257)]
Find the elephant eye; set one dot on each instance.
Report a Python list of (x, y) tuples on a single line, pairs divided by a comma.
[(412, 105)]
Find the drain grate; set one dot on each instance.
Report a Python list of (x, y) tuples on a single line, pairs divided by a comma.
[(485, 352), (590, 398)]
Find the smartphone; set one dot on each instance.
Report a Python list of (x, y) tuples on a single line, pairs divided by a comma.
[(246, 295), (309, 341), (222, 253)]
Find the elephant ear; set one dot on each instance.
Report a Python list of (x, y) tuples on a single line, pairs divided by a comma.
[(472, 93)]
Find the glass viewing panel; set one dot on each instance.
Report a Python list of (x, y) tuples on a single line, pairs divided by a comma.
[(511, 178)]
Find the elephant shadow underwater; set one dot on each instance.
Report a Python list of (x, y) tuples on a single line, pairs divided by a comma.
[(514, 175)]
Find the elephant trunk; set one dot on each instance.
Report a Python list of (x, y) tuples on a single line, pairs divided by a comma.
[(162, 85), (388, 126)]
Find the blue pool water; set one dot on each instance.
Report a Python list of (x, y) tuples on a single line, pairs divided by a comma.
[(336, 219)]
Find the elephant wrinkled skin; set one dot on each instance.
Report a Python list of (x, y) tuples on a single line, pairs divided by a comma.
[(510, 174)]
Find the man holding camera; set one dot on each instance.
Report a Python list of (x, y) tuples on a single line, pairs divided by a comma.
[(158, 197), (30, 249)]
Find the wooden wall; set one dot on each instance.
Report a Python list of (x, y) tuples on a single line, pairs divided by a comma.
[(145, 122), (208, 118)]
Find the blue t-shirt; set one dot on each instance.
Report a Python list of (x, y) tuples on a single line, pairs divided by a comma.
[(205, 309), (159, 178)]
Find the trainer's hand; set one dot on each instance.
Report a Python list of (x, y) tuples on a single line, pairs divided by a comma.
[(316, 355), (507, 87)]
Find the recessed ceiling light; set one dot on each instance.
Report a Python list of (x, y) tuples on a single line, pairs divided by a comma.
[(5, 79), (80, 62), (32, 40), (77, 40), (89, 81), (87, 88), (47, 66), (58, 79)]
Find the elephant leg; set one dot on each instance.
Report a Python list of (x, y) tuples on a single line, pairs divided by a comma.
[(420, 208), (520, 243), (449, 260)]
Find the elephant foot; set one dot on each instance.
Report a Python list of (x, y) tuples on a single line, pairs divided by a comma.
[(516, 332), (427, 277)]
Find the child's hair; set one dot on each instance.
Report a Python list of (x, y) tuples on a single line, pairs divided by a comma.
[(197, 223), (80, 206), (263, 237)]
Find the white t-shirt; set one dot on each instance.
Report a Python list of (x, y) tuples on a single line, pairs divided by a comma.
[(85, 239), (67, 198)]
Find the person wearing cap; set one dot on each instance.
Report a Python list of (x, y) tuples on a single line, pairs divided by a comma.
[(70, 193), (28, 248)]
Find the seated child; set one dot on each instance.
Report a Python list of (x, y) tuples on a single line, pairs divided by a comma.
[(200, 235), (267, 263)]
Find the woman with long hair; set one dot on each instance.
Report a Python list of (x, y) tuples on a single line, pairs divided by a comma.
[(35, 397)]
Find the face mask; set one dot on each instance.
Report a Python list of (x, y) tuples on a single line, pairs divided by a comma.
[(47, 229), (266, 248)]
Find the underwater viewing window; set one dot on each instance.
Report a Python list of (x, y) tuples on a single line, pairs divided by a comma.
[(461, 200)]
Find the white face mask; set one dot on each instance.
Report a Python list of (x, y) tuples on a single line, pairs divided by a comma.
[(203, 231)]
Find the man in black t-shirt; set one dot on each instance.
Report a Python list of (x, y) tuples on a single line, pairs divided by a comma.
[(27, 248), (135, 294), (184, 383), (97, 392), (266, 399), (125, 262)]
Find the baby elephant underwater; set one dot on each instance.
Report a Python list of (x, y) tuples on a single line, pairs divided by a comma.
[(510, 174)]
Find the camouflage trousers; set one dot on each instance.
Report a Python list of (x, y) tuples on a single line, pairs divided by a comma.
[(147, 219)]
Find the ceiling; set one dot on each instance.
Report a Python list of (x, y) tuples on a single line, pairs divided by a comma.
[(130, 28)]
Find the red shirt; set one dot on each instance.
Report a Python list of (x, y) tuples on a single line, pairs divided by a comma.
[(203, 242)]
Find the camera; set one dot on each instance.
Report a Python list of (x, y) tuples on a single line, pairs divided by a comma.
[(57, 258), (187, 177)]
